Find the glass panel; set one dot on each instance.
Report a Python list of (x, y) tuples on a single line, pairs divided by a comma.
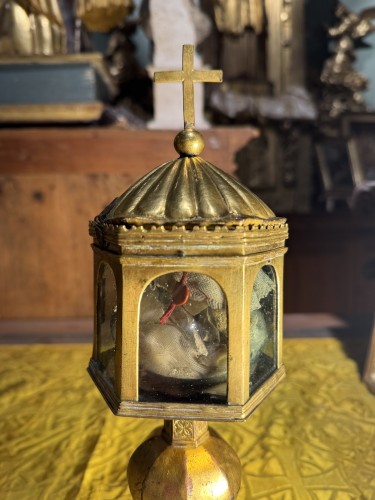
[(107, 320), (183, 340), (263, 327)]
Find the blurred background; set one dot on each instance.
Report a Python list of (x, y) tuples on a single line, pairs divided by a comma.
[(80, 120)]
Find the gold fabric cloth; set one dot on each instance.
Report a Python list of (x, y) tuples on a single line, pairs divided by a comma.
[(313, 438)]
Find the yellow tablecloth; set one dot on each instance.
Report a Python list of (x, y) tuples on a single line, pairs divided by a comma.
[(314, 437)]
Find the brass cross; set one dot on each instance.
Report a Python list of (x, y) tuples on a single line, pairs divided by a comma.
[(188, 75)]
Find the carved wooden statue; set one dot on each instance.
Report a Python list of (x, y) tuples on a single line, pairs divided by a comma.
[(31, 28), (242, 24)]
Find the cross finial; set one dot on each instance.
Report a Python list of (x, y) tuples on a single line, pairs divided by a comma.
[(188, 75)]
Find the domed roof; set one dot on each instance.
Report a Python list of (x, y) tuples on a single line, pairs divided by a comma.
[(188, 190)]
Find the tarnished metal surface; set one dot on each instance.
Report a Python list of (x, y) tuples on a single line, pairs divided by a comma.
[(186, 190)]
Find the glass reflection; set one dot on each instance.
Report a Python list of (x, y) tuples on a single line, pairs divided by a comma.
[(107, 320), (263, 327), (183, 340)]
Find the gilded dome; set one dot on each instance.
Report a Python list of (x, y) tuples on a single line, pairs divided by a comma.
[(188, 190)]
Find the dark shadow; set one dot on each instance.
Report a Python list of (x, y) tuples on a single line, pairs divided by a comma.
[(355, 337)]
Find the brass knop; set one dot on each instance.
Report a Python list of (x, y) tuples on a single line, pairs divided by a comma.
[(189, 142)]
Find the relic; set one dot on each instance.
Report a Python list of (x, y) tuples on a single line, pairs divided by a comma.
[(188, 267)]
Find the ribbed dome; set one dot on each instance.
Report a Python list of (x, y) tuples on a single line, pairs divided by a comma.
[(183, 191)]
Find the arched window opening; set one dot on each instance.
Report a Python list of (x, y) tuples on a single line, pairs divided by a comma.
[(183, 340), (263, 327), (107, 320)]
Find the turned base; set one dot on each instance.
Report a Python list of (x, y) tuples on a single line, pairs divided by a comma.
[(184, 460)]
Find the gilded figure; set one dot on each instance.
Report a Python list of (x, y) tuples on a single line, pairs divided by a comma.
[(31, 28), (343, 83)]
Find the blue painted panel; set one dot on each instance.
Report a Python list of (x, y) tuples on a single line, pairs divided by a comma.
[(48, 83)]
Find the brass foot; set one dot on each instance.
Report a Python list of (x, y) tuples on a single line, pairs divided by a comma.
[(184, 460)]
